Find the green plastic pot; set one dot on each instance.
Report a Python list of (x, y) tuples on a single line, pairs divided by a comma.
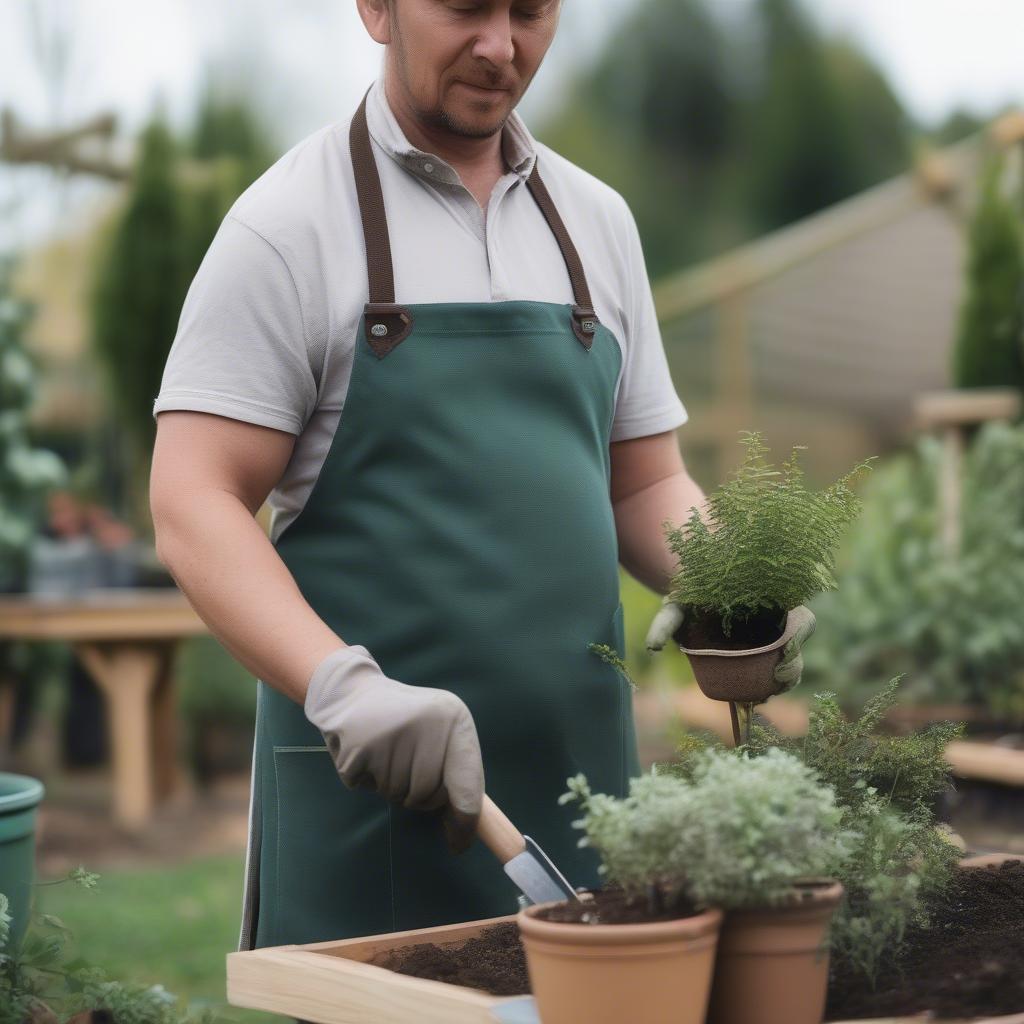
[(19, 798)]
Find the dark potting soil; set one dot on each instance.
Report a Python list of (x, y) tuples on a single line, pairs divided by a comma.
[(494, 961), (703, 630), (966, 964), (611, 906)]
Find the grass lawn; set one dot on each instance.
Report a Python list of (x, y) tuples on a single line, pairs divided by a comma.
[(171, 926)]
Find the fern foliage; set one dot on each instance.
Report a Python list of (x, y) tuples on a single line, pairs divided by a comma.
[(899, 859), (768, 542)]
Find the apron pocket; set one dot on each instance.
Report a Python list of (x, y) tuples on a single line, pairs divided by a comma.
[(331, 871)]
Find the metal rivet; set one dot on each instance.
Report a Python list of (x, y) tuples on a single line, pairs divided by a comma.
[(429, 168), (588, 325), (379, 330)]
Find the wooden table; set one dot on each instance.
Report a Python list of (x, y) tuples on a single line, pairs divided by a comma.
[(127, 640)]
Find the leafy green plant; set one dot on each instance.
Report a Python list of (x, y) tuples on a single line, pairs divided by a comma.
[(950, 624), (768, 543), (738, 832), (38, 983), (989, 349), (26, 472), (898, 859)]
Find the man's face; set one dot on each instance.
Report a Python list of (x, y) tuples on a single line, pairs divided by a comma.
[(463, 65)]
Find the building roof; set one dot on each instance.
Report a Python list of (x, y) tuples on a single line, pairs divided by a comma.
[(852, 310)]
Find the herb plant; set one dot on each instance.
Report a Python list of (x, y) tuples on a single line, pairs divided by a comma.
[(768, 543), (898, 858), (737, 833)]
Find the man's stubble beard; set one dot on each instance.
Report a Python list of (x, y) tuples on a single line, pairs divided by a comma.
[(439, 118)]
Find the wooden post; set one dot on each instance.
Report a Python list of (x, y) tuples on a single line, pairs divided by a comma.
[(128, 676), (949, 490), (950, 413)]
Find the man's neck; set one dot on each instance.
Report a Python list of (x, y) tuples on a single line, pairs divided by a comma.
[(471, 157)]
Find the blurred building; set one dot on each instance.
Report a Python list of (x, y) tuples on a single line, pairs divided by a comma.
[(823, 332)]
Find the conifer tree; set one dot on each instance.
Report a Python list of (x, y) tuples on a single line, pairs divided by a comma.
[(989, 349), (138, 297)]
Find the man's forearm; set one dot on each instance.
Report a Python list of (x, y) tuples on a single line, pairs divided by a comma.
[(643, 548), (237, 582)]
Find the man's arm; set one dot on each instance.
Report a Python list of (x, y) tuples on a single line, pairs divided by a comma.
[(649, 485), (210, 476)]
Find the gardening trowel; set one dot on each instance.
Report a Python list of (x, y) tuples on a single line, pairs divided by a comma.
[(525, 862)]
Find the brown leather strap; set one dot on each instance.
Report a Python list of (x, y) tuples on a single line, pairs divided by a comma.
[(386, 323), (371, 210), (584, 318)]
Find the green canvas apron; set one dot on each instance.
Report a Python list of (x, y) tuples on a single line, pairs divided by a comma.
[(461, 529)]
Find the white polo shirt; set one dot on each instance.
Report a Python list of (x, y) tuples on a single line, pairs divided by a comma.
[(268, 329)]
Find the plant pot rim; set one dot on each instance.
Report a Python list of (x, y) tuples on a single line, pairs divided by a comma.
[(18, 792), (806, 894), (695, 926), (792, 625)]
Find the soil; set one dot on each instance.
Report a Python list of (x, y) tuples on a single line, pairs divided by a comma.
[(494, 961), (967, 964), (611, 906), (702, 630)]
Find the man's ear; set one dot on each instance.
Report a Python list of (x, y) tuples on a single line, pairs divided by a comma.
[(376, 15)]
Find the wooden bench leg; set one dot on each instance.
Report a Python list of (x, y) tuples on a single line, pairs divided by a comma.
[(127, 676), (166, 769)]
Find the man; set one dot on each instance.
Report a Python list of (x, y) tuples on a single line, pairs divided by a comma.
[(455, 469)]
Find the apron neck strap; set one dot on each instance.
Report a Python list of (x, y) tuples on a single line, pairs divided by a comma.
[(392, 323)]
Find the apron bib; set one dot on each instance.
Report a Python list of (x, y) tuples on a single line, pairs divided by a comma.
[(461, 529)]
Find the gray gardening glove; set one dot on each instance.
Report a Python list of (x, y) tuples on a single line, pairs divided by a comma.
[(664, 625), (790, 667), (414, 745)]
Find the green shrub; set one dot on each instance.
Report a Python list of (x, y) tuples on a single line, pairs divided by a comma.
[(214, 686), (768, 543), (757, 825), (951, 625), (737, 833), (886, 785), (989, 349)]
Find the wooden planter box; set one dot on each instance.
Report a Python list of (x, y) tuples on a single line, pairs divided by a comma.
[(332, 983)]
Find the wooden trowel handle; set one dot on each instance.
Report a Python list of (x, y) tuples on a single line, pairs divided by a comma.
[(501, 837)]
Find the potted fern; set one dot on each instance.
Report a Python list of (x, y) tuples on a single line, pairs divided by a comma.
[(758, 838), (765, 546)]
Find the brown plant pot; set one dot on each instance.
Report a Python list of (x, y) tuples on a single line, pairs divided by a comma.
[(657, 973), (744, 676), (772, 964)]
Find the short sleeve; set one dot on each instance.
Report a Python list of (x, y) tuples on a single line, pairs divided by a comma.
[(240, 350), (647, 401)]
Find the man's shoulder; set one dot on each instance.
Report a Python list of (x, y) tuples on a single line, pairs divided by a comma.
[(301, 187), (579, 191)]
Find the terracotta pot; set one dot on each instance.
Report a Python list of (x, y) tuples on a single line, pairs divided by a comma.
[(744, 676), (772, 964), (658, 973)]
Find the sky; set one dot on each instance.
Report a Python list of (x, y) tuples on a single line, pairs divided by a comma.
[(307, 62)]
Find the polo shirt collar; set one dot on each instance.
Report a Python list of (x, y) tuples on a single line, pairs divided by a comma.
[(518, 145)]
